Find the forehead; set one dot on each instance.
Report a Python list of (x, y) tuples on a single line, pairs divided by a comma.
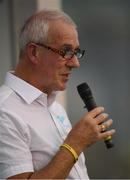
[(63, 34)]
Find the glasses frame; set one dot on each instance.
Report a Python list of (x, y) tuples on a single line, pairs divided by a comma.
[(62, 52)]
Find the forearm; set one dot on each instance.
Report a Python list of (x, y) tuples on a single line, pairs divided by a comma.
[(58, 168)]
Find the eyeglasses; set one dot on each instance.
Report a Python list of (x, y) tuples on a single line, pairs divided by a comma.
[(65, 52)]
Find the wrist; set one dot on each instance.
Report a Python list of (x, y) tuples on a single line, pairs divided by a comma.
[(70, 150)]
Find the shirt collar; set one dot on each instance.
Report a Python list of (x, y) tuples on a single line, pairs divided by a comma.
[(28, 92)]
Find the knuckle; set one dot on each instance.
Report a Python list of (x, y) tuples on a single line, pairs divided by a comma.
[(109, 122), (109, 133), (98, 110), (104, 115), (88, 115)]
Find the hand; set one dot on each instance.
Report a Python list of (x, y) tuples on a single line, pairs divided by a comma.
[(89, 130)]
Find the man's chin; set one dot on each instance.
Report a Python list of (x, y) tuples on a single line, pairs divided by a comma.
[(62, 86)]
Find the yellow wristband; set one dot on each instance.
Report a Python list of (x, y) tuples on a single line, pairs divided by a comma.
[(71, 150)]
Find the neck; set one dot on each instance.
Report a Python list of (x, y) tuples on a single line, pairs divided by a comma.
[(32, 78)]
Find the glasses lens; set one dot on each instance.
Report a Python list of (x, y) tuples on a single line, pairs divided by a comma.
[(79, 53), (68, 54)]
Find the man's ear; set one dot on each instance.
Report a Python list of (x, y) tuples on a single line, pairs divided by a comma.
[(32, 53)]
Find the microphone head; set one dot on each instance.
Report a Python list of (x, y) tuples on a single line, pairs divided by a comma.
[(84, 91), (86, 95)]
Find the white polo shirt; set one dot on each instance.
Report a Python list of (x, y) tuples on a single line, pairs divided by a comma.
[(32, 128)]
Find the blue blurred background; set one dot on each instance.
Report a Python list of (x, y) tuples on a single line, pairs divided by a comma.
[(104, 30)]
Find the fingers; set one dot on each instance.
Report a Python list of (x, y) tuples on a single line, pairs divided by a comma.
[(101, 118), (91, 128), (105, 135), (95, 112), (104, 126), (103, 123), (103, 132)]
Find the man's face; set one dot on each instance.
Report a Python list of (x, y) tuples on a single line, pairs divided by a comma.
[(54, 69)]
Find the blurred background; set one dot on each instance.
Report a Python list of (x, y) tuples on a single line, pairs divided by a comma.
[(104, 31)]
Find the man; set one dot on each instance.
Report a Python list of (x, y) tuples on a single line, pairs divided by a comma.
[(36, 138)]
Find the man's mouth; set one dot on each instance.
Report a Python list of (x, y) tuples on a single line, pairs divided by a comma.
[(66, 76)]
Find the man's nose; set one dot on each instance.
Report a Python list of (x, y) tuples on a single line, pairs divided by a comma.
[(73, 62)]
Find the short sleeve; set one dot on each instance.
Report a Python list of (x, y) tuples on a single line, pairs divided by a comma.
[(15, 155)]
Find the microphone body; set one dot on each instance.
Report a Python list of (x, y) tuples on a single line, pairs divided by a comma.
[(87, 97)]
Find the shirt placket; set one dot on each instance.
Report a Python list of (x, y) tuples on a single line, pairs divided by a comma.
[(58, 126), (63, 134)]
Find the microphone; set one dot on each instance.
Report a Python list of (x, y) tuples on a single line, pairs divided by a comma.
[(87, 97)]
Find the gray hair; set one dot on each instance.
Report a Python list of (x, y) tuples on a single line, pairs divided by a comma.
[(36, 27)]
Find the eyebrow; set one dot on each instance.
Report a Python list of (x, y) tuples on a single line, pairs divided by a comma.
[(69, 45)]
